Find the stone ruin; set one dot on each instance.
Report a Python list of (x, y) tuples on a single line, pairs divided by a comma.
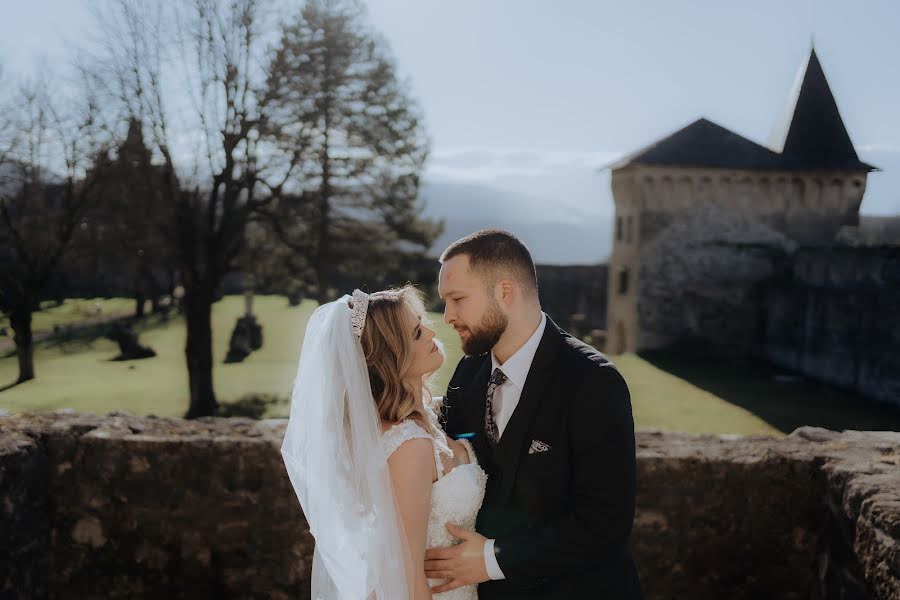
[(118, 506)]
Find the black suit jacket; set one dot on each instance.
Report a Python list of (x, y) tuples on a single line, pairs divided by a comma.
[(561, 518)]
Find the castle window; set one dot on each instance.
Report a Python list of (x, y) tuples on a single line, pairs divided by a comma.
[(619, 229), (623, 282), (705, 189), (798, 189)]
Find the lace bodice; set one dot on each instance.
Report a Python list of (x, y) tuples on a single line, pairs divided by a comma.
[(455, 497)]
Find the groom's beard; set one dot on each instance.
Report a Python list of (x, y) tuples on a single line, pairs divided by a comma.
[(488, 332)]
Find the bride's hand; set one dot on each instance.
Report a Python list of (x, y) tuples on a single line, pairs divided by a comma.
[(462, 564)]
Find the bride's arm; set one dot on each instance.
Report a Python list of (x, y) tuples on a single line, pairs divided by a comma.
[(413, 472)]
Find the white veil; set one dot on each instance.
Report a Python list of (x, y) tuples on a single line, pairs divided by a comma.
[(333, 454)]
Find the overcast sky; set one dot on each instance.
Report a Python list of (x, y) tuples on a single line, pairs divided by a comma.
[(532, 96)]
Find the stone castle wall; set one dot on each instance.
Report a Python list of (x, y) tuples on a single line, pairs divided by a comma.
[(122, 507), (700, 280), (838, 320), (803, 207), (574, 296), (713, 265), (126, 507), (808, 207)]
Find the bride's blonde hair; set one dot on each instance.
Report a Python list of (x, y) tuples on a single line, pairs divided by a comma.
[(387, 346)]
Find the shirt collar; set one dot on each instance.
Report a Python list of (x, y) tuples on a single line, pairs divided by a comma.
[(517, 366)]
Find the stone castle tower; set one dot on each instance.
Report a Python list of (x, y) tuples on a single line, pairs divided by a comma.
[(701, 214)]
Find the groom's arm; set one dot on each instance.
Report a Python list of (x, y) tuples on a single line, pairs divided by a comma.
[(599, 524)]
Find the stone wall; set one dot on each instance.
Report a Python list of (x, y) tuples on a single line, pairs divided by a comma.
[(838, 319), (574, 296), (813, 515), (122, 507), (126, 507), (809, 207), (801, 207), (699, 281), (24, 515)]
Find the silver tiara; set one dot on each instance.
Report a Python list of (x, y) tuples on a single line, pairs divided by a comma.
[(359, 306)]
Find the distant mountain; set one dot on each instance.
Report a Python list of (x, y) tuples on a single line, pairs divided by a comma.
[(12, 177), (555, 235)]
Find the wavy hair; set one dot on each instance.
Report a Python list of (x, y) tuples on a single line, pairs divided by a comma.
[(387, 346)]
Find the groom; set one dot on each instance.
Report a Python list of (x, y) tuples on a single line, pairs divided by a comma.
[(550, 420)]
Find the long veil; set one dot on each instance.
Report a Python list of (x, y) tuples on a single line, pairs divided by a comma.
[(333, 455)]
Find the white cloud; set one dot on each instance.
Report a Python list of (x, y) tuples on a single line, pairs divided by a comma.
[(880, 148), (486, 164)]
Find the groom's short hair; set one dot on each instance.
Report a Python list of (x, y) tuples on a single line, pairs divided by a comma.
[(494, 254)]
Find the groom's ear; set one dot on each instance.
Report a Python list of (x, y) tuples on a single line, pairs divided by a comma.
[(506, 290)]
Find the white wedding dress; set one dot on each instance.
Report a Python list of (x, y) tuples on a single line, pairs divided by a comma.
[(455, 497)]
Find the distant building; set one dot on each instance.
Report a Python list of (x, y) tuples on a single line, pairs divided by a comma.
[(706, 218)]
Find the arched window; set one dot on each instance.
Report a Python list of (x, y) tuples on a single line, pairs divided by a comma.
[(798, 189), (623, 282)]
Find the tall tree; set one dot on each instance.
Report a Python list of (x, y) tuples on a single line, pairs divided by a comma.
[(201, 60), (44, 196), (334, 89)]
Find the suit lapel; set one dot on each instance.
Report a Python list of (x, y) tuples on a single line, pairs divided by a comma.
[(514, 441)]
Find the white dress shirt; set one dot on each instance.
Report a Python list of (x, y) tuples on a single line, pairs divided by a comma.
[(506, 398)]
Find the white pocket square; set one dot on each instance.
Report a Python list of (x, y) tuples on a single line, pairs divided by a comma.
[(538, 446)]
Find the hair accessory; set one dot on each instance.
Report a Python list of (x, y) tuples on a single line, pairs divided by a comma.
[(360, 306)]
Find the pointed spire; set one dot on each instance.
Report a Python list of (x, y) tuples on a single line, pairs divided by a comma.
[(812, 134), (135, 135), (133, 149)]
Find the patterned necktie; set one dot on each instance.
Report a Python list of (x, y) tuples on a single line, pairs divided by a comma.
[(498, 377)]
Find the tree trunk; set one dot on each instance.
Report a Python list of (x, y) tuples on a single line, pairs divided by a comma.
[(21, 325), (198, 351), (140, 286), (248, 302), (139, 303), (322, 259)]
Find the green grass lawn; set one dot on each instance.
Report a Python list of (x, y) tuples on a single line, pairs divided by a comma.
[(671, 393), (79, 374)]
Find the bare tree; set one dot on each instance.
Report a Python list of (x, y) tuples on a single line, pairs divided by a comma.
[(325, 153), (209, 88), (44, 195)]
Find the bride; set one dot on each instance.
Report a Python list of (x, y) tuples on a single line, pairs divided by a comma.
[(376, 476)]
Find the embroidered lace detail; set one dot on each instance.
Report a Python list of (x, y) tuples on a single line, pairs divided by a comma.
[(402, 432), (455, 497)]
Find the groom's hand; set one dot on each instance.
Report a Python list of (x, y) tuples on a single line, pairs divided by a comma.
[(462, 564)]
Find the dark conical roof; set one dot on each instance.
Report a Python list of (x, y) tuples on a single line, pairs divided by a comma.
[(812, 134)]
